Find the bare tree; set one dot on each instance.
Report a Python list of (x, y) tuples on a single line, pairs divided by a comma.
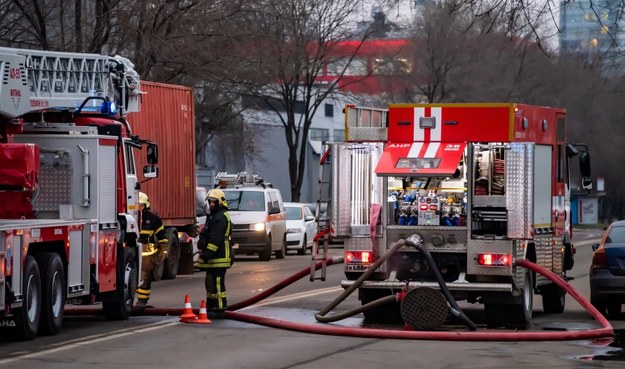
[(288, 44), (61, 25)]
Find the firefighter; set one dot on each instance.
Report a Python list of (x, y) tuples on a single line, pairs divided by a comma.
[(216, 253), (154, 244)]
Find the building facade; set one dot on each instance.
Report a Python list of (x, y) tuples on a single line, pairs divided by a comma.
[(594, 29)]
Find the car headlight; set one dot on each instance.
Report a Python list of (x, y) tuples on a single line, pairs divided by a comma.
[(294, 230), (257, 227)]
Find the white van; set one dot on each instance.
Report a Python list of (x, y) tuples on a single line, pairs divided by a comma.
[(258, 221)]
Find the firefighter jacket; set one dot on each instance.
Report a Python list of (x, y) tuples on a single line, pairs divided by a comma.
[(214, 244), (152, 232)]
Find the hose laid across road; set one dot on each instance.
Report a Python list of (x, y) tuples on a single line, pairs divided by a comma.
[(605, 330)]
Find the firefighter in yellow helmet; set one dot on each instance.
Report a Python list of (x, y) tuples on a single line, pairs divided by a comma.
[(216, 253), (153, 240)]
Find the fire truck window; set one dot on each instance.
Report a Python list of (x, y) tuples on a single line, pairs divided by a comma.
[(130, 161), (560, 163), (417, 163)]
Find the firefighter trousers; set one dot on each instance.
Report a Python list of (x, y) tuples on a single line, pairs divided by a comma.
[(148, 263), (215, 282)]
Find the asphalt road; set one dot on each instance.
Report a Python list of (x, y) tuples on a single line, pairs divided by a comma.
[(163, 342)]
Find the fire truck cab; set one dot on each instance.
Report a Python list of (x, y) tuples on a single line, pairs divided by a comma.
[(483, 185)]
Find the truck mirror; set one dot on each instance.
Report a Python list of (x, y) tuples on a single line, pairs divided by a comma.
[(571, 151), (152, 153), (150, 171), (584, 163), (587, 183)]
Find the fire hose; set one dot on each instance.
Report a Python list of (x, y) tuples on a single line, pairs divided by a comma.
[(414, 241), (605, 330)]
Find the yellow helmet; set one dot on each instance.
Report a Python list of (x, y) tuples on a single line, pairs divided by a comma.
[(217, 195), (144, 200)]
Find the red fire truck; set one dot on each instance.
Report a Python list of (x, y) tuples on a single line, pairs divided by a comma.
[(482, 185), (68, 187)]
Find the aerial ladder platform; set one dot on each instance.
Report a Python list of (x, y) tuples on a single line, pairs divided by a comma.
[(39, 80)]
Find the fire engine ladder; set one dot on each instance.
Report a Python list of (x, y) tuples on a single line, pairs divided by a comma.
[(324, 192), (65, 79)]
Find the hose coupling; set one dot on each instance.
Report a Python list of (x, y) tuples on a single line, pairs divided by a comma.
[(414, 240)]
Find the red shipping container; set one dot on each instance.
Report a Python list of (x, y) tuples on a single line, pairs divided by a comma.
[(167, 117)]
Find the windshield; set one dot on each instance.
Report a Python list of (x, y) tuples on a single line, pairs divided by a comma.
[(293, 213), (617, 235), (245, 200)]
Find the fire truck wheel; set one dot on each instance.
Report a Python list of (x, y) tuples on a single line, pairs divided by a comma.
[(122, 308), (282, 252), (52, 293), (27, 317), (495, 315), (569, 261), (170, 264), (520, 315), (554, 298)]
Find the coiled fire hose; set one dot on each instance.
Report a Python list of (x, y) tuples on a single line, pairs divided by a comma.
[(414, 241)]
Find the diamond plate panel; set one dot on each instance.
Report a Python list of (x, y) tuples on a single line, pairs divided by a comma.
[(520, 249), (519, 196), (55, 187), (367, 134)]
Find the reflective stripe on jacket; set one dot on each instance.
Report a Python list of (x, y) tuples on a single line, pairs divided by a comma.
[(218, 229), (152, 229)]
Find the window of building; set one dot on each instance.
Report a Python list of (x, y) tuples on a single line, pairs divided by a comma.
[(329, 110), (319, 134), (339, 135), (357, 67), (388, 67)]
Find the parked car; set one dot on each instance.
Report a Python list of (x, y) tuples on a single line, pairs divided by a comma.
[(301, 227), (258, 221), (607, 271)]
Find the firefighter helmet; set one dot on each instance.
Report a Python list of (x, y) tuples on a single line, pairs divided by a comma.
[(144, 200), (217, 195)]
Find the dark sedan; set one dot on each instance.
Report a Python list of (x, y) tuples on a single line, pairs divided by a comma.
[(607, 271)]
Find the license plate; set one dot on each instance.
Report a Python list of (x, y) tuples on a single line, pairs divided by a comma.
[(235, 246)]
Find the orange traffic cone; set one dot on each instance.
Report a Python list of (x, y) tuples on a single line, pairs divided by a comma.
[(187, 313), (203, 316)]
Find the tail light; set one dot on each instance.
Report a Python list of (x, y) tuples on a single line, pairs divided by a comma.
[(494, 260), (599, 260), (364, 257)]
